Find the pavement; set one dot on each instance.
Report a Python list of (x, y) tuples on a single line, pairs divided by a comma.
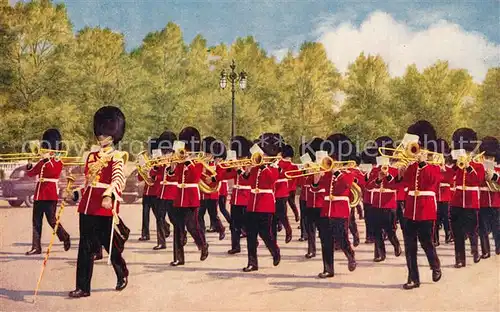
[(218, 284)]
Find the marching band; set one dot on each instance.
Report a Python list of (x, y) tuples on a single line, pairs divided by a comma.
[(422, 184)]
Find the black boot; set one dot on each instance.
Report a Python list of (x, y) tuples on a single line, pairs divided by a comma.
[(250, 268), (67, 244), (204, 252), (325, 275), (411, 284), (78, 293), (436, 275), (121, 283), (33, 251)]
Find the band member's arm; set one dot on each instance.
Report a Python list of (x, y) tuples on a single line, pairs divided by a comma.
[(117, 177), (35, 170)]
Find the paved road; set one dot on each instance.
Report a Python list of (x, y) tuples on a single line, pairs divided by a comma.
[(218, 283)]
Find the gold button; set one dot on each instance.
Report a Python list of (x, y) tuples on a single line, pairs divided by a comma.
[(417, 193), (332, 197), (256, 190), (42, 180), (182, 185)]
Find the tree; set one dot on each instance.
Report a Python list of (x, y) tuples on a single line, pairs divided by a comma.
[(487, 107)]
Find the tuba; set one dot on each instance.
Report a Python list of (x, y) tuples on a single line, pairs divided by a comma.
[(356, 195), (143, 168), (208, 174)]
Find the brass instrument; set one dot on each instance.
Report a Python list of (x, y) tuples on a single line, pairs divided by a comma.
[(327, 164), (409, 153), (72, 161), (35, 153), (235, 163), (257, 159), (464, 161), (203, 185), (357, 195), (143, 167)]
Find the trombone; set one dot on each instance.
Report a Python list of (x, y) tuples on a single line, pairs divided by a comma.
[(409, 153), (72, 161), (257, 159), (464, 161), (327, 164)]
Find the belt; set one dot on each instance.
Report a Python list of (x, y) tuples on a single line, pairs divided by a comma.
[(484, 188), (168, 183), (99, 185), (242, 187), (467, 188), (444, 184), (41, 180), (336, 198), (187, 185), (281, 180), (421, 193), (383, 190), (266, 191)]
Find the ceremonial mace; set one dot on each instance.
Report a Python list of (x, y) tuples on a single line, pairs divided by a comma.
[(71, 180)]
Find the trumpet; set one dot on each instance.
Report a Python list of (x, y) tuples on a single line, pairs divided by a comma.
[(327, 164), (464, 161)]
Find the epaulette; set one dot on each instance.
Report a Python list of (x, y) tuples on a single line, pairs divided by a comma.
[(120, 155)]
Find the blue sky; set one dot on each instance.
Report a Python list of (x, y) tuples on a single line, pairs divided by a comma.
[(283, 25)]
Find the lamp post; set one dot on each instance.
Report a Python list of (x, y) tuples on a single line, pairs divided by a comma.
[(233, 78)]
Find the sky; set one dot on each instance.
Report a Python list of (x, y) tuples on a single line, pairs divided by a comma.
[(466, 33)]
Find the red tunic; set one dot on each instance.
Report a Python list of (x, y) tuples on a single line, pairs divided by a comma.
[(149, 190), (213, 195), (281, 189), (304, 188), (108, 181), (423, 185), (467, 186), (445, 185), (48, 176), (240, 193), (337, 194), (315, 197), (167, 184), (223, 190), (188, 192), (383, 195), (262, 182)]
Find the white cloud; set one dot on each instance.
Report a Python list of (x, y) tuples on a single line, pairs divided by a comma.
[(400, 44)]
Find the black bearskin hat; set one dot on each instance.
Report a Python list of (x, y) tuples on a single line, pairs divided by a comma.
[(51, 139), (426, 133), (166, 141), (152, 145), (340, 147), (384, 141), (443, 147), (315, 145), (368, 156), (190, 136), (207, 144), (109, 121), (219, 149), (465, 138), (489, 145), (268, 142), (287, 151), (241, 146), (279, 141)]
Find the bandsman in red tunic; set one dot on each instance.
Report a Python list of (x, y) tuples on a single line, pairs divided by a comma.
[(212, 149), (488, 213), (334, 214), (444, 194), (187, 199), (99, 200), (304, 190), (48, 170), (465, 202), (315, 198), (382, 184), (288, 154), (223, 190), (368, 162), (422, 180), (359, 178), (261, 204)]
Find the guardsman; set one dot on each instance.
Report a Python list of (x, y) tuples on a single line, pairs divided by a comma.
[(240, 193), (99, 201), (223, 192), (384, 203), (304, 190), (48, 170), (187, 200), (288, 154), (334, 215), (261, 205), (281, 194), (422, 180), (368, 162), (211, 147), (488, 213), (315, 199), (469, 176), (359, 179), (444, 194)]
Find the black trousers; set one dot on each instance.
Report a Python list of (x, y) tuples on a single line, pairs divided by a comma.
[(293, 206), (384, 221), (96, 229), (423, 230), (148, 203), (210, 205), (400, 210), (47, 207), (281, 217), (237, 224), (186, 218), (160, 209), (312, 221), (443, 218), (464, 223), (332, 230), (259, 224), (370, 230), (303, 209), (489, 222), (223, 209), (353, 227)]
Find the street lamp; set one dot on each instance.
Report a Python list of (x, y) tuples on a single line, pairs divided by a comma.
[(233, 79)]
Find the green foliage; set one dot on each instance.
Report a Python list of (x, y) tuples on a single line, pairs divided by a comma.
[(51, 77)]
